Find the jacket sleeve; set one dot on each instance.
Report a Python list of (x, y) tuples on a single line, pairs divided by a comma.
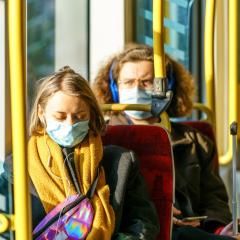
[(4, 202), (139, 219), (213, 195)]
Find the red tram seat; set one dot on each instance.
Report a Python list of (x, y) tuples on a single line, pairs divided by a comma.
[(206, 129), (153, 147)]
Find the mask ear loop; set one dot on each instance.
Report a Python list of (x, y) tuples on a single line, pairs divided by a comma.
[(113, 85)]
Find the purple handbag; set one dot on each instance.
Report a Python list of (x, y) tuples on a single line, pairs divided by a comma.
[(71, 219)]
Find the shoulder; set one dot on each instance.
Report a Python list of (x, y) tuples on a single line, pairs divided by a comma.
[(119, 157), (119, 165), (32, 142), (180, 131), (117, 119), (7, 175), (179, 128), (184, 133)]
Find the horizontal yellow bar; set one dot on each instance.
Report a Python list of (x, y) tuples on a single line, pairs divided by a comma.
[(122, 107), (4, 223), (165, 122), (209, 114)]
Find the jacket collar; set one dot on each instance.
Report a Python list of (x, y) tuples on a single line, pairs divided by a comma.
[(181, 135)]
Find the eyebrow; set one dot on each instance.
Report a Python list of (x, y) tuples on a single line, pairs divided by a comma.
[(127, 79), (148, 75), (80, 111)]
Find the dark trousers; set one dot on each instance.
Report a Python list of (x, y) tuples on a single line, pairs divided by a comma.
[(191, 233)]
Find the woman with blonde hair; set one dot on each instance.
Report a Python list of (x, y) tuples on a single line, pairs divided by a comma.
[(127, 78), (66, 159)]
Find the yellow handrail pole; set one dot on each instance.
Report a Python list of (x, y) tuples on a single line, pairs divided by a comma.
[(158, 39), (165, 122), (232, 74), (147, 108), (16, 31), (209, 53), (5, 224), (203, 108), (123, 107), (158, 43)]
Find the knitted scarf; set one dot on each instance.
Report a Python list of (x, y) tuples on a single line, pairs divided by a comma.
[(53, 183)]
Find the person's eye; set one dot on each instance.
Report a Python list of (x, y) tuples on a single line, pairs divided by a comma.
[(147, 82), (59, 117), (130, 82), (81, 116)]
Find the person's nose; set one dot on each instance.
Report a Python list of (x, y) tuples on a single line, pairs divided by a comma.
[(137, 83), (70, 120)]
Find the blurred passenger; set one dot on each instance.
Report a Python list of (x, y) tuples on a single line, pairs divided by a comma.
[(65, 155), (127, 77)]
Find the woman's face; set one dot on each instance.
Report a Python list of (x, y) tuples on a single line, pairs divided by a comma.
[(134, 74), (65, 108)]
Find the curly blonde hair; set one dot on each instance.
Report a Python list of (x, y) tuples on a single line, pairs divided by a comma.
[(181, 104)]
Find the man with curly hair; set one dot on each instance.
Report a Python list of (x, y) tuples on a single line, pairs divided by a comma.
[(127, 77)]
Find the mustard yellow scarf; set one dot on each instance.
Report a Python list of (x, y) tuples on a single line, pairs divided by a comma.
[(53, 183)]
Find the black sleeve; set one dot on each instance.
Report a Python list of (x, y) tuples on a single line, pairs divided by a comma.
[(139, 219), (6, 200), (214, 199), (5, 203)]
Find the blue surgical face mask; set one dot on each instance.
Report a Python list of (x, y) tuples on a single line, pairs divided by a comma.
[(136, 96), (67, 135)]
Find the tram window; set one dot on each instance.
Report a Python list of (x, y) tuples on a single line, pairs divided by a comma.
[(56, 36), (40, 41), (182, 33), (176, 24), (57, 33)]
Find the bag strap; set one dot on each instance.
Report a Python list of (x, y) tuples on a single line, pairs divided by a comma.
[(92, 188), (69, 157)]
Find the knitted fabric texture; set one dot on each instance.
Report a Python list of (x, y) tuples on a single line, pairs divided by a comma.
[(52, 181)]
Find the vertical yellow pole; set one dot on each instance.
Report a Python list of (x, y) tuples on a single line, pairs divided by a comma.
[(158, 39), (232, 73), (233, 60), (159, 56), (209, 53), (16, 31)]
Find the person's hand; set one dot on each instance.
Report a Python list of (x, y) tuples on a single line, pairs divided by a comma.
[(179, 222), (228, 231)]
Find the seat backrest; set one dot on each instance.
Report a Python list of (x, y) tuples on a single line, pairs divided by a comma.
[(206, 129), (153, 147)]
